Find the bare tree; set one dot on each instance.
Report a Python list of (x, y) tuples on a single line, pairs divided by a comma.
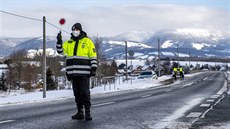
[(15, 66), (29, 76), (10, 78), (108, 68), (101, 65), (98, 45)]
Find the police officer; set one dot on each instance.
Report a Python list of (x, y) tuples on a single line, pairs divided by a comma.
[(181, 72), (175, 72), (81, 64)]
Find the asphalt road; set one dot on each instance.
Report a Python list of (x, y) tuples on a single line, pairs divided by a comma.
[(217, 118), (178, 105)]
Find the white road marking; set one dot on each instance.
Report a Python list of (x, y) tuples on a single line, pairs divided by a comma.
[(168, 90), (205, 78), (194, 114), (223, 89), (102, 104), (206, 112), (145, 96), (6, 121), (171, 119), (215, 96), (187, 85), (210, 100), (203, 115), (205, 105)]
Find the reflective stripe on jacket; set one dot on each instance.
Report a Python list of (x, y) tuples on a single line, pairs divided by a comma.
[(85, 59)]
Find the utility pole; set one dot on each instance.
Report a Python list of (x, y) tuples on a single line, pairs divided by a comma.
[(177, 56), (159, 71), (131, 53), (126, 62), (131, 70), (44, 57), (215, 62), (189, 60)]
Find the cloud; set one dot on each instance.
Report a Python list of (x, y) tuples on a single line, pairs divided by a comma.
[(113, 20)]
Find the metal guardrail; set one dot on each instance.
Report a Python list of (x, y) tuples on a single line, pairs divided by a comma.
[(103, 81), (108, 82)]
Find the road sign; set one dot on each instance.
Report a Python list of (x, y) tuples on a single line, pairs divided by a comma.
[(131, 53)]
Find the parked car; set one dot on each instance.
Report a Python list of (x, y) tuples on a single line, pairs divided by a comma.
[(135, 74), (147, 74)]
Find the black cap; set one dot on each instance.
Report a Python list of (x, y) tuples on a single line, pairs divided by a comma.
[(77, 26)]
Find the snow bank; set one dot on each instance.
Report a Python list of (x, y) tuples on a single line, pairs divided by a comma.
[(21, 98)]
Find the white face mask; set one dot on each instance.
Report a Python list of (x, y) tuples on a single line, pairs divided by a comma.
[(75, 33)]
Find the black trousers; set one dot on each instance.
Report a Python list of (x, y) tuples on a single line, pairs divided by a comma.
[(175, 73), (81, 92), (181, 74)]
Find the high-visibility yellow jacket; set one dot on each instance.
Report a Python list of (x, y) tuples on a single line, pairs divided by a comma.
[(85, 59), (175, 69), (181, 70)]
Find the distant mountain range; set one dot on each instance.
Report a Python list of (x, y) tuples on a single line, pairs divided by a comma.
[(200, 42)]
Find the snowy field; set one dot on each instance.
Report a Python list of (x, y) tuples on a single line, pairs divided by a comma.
[(183, 63)]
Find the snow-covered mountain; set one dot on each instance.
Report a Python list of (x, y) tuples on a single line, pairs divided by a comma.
[(200, 42), (133, 36), (11, 42), (6, 44), (186, 37)]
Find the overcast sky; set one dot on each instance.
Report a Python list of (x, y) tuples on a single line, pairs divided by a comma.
[(109, 18)]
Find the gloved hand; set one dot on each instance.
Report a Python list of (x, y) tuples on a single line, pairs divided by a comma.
[(92, 73), (59, 38), (68, 77)]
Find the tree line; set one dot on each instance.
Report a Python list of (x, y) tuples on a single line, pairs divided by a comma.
[(24, 72)]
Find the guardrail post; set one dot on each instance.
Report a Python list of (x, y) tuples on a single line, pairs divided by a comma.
[(109, 85), (114, 79)]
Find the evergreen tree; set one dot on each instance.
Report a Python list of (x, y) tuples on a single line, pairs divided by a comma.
[(3, 82), (49, 80), (114, 68)]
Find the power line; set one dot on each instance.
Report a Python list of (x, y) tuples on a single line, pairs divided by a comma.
[(34, 19), (57, 27), (21, 16)]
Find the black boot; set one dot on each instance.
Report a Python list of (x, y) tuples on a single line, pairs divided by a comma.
[(79, 115), (88, 116)]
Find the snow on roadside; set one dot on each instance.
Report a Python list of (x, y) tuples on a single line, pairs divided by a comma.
[(18, 98), (136, 84), (36, 97), (228, 76)]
